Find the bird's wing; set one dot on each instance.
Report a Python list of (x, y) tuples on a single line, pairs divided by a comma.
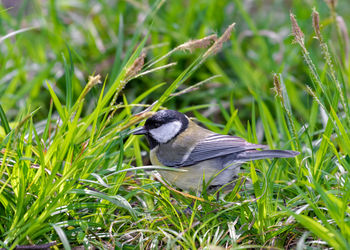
[(217, 145)]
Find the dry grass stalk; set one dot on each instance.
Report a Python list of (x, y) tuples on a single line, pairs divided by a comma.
[(327, 56), (199, 43), (216, 47), (297, 33), (188, 46), (132, 71), (316, 24), (277, 87), (299, 38), (281, 93), (136, 67)]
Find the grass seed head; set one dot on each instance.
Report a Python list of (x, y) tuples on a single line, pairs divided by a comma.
[(199, 43), (277, 86), (296, 31), (93, 80), (136, 67), (316, 24), (216, 47)]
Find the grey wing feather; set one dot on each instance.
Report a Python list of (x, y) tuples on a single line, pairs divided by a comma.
[(217, 145), (251, 155), (257, 155)]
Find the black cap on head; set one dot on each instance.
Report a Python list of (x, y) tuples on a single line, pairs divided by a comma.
[(157, 120), (165, 116)]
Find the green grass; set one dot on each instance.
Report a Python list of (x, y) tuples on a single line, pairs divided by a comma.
[(71, 174)]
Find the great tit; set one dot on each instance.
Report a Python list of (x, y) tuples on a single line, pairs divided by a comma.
[(176, 141)]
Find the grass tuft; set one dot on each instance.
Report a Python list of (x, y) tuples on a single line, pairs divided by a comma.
[(77, 77)]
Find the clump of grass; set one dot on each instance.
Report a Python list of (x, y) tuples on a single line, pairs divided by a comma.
[(75, 167), (327, 224), (72, 175)]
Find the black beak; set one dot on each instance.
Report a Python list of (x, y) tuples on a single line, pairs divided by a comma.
[(139, 131)]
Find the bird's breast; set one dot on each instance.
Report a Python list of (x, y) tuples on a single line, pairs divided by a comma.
[(154, 158)]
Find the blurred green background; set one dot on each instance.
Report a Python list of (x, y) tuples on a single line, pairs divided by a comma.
[(97, 34), (90, 200)]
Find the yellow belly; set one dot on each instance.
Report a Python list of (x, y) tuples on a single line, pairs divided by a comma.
[(192, 179)]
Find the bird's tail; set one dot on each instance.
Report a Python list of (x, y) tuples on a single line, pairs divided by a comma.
[(264, 154)]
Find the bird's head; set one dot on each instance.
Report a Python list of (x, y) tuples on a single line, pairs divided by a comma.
[(163, 126)]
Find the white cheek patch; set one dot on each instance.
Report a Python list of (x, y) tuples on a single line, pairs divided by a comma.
[(166, 132)]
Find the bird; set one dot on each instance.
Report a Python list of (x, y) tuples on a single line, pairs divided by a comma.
[(178, 142)]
